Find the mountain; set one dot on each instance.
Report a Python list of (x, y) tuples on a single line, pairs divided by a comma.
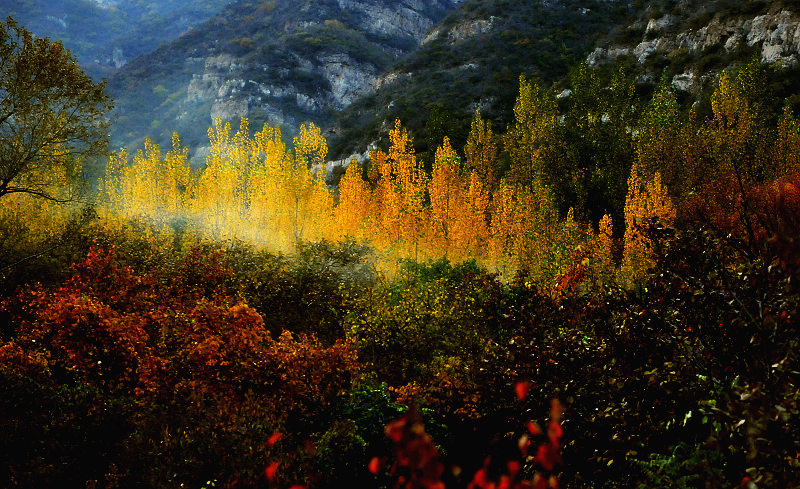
[(277, 61), (473, 60), (687, 43), (106, 34), (353, 66)]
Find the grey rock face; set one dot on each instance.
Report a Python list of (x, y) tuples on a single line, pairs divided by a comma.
[(316, 59), (776, 34), (348, 78), (462, 31)]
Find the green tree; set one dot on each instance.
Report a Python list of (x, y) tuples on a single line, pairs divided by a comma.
[(52, 115), (602, 111), (442, 123), (532, 139), (664, 133)]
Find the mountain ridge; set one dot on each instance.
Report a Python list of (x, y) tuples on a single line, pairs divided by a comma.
[(276, 61), (354, 66), (105, 34)]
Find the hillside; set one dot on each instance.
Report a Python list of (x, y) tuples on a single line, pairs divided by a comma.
[(280, 62), (473, 59), (688, 43), (106, 34), (599, 290)]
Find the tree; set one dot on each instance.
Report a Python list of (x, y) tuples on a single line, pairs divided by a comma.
[(531, 141), (598, 122), (51, 115), (400, 188), (647, 199), (480, 151), (662, 139), (445, 190)]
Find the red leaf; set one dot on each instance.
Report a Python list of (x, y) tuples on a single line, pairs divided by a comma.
[(376, 465), (274, 438), (554, 432), (513, 467), (480, 478), (556, 410), (544, 457), (394, 430), (271, 470), (524, 443), (522, 389)]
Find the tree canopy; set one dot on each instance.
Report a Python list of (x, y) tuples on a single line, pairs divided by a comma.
[(52, 115)]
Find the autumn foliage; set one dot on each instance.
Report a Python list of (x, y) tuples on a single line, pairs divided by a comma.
[(244, 325), (183, 341)]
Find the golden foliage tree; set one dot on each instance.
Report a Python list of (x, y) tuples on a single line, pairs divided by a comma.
[(217, 189), (308, 201), (446, 195), (602, 258), (786, 154), (523, 223), (270, 160), (355, 208), (400, 190), (736, 134), (647, 199)]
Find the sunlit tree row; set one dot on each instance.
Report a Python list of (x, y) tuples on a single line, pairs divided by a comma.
[(536, 216)]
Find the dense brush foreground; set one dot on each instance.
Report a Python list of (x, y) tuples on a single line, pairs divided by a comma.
[(602, 296)]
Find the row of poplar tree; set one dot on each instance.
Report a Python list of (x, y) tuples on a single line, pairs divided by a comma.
[(553, 212)]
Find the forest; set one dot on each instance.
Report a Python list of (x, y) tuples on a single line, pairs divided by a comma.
[(604, 293)]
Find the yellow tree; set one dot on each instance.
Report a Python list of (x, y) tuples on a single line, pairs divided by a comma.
[(388, 203), (446, 196), (140, 182), (242, 157), (786, 157), (601, 268), (111, 185), (309, 204), (355, 207), (400, 189), (647, 199), (270, 161), (175, 178), (522, 220), (736, 133), (502, 243), (215, 193), (473, 229), (310, 146)]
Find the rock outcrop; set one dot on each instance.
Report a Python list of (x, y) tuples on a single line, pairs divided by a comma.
[(287, 63), (775, 35), (462, 30)]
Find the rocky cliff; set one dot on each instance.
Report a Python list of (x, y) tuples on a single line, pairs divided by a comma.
[(473, 60), (692, 42), (281, 62)]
